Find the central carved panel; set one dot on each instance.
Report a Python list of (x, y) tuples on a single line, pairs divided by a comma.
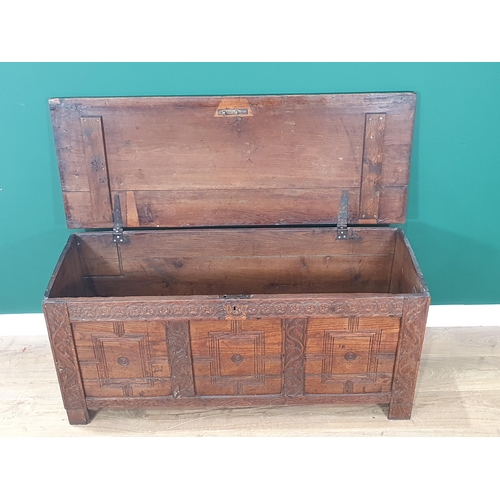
[(235, 357), (224, 348)]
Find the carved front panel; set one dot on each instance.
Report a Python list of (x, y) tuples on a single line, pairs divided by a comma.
[(123, 359), (350, 355), (237, 357)]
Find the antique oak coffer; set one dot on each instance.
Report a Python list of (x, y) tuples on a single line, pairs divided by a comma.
[(242, 254)]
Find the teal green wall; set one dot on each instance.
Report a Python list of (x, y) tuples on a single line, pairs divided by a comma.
[(454, 203)]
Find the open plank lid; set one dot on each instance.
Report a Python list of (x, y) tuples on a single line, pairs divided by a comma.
[(228, 161)]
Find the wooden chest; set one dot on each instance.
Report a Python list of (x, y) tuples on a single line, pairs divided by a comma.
[(238, 259)]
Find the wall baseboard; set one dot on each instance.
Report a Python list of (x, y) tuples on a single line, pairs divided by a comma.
[(464, 315), (22, 324), (439, 316)]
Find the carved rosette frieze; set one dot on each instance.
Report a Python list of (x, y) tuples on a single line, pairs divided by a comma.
[(408, 356), (294, 332), (64, 352), (237, 309), (179, 356)]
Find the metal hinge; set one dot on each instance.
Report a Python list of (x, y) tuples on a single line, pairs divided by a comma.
[(117, 221), (343, 232), (342, 218)]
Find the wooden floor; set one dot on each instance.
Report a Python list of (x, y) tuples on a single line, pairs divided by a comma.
[(458, 394)]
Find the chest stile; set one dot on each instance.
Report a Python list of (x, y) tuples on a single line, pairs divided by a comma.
[(241, 254)]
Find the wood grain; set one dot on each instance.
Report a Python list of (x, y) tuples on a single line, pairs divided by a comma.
[(236, 402), (408, 356), (209, 307), (237, 357), (250, 242), (240, 316), (179, 355), (231, 262), (457, 394), (67, 279), (123, 359), (371, 174), (294, 345), (351, 355), (186, 165), (406, 276), (130, 210), (253, 275), (97, 168), (66, 362)]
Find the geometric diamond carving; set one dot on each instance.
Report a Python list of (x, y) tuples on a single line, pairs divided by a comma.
[(354, 352), (113, 358), (350, 355), (119, 358), (233, 357), (226, 360)]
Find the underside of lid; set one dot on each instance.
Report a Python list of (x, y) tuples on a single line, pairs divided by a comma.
[(228, 161)]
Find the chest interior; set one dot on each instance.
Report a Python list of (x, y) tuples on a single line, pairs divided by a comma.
[(235, 262)]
